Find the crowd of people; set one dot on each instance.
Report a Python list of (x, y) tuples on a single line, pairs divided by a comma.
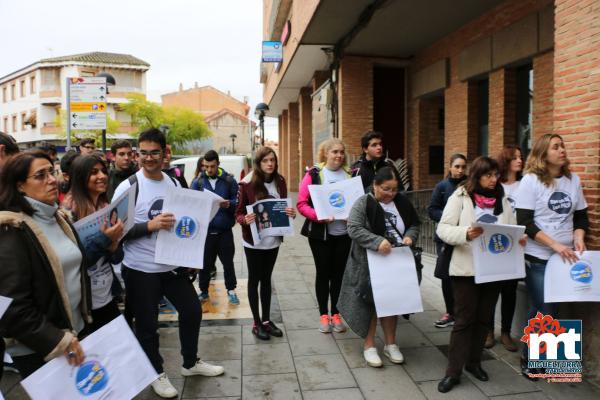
[(62, 290)]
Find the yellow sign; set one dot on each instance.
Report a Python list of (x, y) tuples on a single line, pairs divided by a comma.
[(88, 107)]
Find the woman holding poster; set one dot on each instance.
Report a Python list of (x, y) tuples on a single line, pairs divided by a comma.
[(378, 221), (480, 199), (328, 240), (89, 183), (551, 206), (43, 268), (264, 182)]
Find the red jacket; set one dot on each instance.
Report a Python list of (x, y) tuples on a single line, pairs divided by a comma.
[(246, 197)]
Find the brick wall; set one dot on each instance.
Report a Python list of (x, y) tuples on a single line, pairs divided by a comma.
[(543, 86), (502, 109), (292, 148), (306, 139), (283, 146)]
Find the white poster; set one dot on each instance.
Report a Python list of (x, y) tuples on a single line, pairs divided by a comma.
[(394, 282), (271, 219), (580, 281), (497, 254), (336, 199), (115, 367), (183, 246), (4, 303), (122, 208)]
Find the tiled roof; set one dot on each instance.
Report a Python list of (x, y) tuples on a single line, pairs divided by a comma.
[(99, 57)]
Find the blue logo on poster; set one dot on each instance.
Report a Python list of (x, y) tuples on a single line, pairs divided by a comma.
[(186, 228), (91, 378), (499, 243), (560, 203), (581, 271), (155, 209), (337, 200)]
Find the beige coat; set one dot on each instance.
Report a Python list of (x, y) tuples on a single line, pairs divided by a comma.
[(458, 216)]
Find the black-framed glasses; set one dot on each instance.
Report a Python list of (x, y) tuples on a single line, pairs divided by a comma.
[(44, 174), (153, 153)]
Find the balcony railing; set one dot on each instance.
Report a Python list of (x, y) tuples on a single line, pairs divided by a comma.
[(420, 199)]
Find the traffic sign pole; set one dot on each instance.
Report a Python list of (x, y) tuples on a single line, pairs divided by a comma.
[(68, 86)]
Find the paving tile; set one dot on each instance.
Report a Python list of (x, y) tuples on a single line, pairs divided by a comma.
[(465, 391), (323, 372), (219, 329), (220, 346), (349, 334), (386, 383), (287, 265), (287, 275), (276, 386), (424, 321), (267, 359), (311, 342), (296, 301), (249, 338), (407, 336), (148, 393), (301, 319), (503, 380), (333, 394), (439, 338), (228, 384), (561, 391), (525, 396), (352, 351), (290, 287), (424, 363)]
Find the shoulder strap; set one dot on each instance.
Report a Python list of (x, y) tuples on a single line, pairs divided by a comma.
[(133, 180)]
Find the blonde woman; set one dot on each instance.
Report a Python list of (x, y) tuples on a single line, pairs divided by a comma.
[(551, 206), (328, 239)]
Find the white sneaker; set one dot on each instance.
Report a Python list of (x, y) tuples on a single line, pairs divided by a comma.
[(392, 352), (372, 358), (204, 369), (163, 387)]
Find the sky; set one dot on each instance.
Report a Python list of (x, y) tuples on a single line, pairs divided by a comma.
[(212, 42)]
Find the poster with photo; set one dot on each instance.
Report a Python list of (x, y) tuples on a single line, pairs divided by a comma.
[(497, 254), (122, 208), (271, 219)]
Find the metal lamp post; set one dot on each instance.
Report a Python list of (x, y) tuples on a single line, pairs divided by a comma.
[(259, 111), (110, 81), (233, 136)]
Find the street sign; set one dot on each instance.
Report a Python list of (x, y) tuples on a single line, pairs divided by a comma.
[(272, 52), (87, 103)]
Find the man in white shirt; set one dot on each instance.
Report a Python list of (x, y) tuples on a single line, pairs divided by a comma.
[(146, 281)]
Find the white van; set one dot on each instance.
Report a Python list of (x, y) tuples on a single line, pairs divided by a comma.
[(238, 166)]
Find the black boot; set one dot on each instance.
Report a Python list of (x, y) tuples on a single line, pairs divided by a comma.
[(525, 370), (477, 372), (260, 332), (447, 384)]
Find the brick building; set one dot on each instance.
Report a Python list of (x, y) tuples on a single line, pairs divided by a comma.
[(440, 77), (33, 96), (224, 114)]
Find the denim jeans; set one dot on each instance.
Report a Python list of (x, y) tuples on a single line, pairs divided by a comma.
[(534, 279)]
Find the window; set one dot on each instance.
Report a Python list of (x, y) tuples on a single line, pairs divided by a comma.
[(13, 89), (32, 85), (524, 107), (483, 89), (23, 120), (4, 95), (87, 73), (6, 124), (22, 87), (14, 123)]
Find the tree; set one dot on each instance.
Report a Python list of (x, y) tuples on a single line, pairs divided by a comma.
[(184, 124), (112, 126)]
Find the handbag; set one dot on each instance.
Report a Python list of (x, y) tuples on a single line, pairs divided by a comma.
[(416, 251), (442, 264)]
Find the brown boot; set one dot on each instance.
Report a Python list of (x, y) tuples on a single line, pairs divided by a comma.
[(507, 342), (489, 340)]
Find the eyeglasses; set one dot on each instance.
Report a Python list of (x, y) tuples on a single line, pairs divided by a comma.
[(44, 174), (388, 190), (153, 153)]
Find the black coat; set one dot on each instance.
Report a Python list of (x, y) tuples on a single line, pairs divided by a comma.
[(366, 169), (441, 193), (37, 316)]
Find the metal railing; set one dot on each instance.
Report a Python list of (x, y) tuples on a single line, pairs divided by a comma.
[(420, 199)]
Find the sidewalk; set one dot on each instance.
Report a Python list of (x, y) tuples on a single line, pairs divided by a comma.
[(306, 364)]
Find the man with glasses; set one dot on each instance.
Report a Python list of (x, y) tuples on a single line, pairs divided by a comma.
[(146, 281), (87, 146)]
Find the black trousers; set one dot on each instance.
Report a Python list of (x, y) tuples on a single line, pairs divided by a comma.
[(104, 315), (508, 293), (447, 291), (474, 304), (27, 365), (330, 261), (144, 290), (219, 244), (260, 269)]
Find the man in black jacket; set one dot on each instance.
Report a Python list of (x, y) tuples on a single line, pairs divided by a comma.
[(372, 160), (124, 165)]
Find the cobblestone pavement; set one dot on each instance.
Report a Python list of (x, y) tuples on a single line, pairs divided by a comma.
[(306, 364)]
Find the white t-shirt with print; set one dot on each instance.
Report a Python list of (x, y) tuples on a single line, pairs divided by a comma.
[(553, 208), (335, 228), (393, 219), (267, 242), (139, 253), (510, 191)]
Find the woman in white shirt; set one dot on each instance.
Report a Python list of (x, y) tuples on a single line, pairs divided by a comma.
[(551, 206)]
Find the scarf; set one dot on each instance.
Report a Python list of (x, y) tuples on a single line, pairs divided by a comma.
[(489, 198)]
